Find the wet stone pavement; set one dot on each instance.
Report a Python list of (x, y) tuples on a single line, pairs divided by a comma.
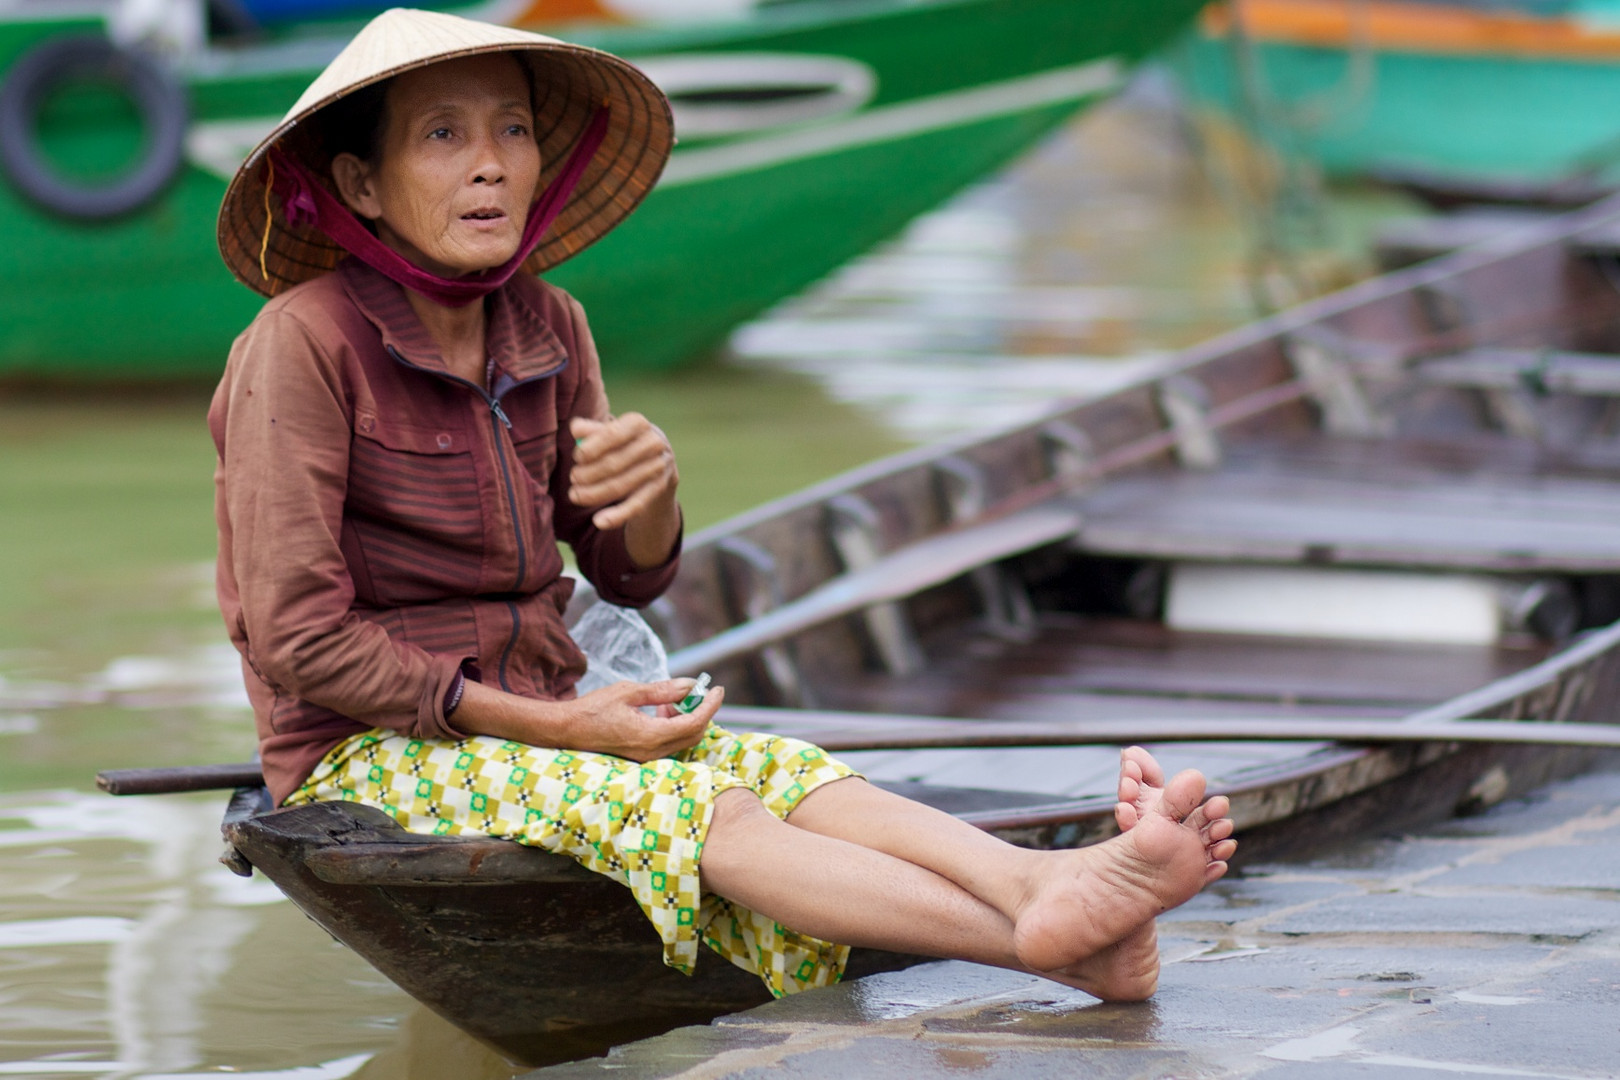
[(1483, 946)]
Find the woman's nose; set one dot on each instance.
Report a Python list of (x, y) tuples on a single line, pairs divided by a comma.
[(489, 169)]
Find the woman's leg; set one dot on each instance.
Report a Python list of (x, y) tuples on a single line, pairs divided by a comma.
[(837, 891), (898, 875)]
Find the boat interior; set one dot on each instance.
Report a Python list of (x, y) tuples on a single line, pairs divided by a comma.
[(1362, 516)]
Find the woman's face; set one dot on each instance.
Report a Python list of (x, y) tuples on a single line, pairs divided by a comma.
[(457, 167)]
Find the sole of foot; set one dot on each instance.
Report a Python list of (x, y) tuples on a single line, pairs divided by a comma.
[(1093, 898)]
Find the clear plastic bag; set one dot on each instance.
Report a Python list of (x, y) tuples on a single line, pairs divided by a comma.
[(618, 645)]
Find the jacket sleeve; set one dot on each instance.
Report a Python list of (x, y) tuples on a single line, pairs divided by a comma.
[(601, 556), (284, 461)]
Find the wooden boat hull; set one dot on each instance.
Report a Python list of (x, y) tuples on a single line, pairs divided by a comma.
[(917, 100), (1464, 89), (546, 962)]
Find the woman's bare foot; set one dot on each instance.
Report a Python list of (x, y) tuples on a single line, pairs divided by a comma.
[(1088, 900), (1127, 970)]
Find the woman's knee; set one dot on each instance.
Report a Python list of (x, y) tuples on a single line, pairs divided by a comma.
[(739, 808)]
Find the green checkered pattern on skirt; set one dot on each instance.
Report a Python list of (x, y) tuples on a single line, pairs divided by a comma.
[(642, 825)]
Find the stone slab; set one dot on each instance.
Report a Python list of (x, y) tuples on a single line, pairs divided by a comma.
[(1541, 914), (1247, 899), (1592, 863)]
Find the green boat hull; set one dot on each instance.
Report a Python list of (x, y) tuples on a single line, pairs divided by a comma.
[(739, 222), (1458, 114)]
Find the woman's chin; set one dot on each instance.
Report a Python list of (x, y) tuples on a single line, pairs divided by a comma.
[(477, 258), (471, 264)]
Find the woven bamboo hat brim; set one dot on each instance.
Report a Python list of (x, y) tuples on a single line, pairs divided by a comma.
[(570, 83)]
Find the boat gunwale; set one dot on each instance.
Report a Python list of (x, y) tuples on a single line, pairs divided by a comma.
[(1259, 789)]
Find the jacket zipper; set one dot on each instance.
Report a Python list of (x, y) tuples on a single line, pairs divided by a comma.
[(498, 419)]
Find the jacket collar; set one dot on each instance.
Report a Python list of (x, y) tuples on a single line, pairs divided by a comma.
[(516, 336)]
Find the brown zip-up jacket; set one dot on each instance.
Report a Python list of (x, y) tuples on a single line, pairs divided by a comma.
[(384, 526)]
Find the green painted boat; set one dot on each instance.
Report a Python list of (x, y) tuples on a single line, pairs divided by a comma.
[(811, 129), (1507, 90)]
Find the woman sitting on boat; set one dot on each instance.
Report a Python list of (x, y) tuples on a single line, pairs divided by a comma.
[(405, 432)]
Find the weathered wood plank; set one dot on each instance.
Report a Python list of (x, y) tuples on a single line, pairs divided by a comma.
[(1076, 657), (895, 576), (1317, 510), (860, 731), (1535, 371)]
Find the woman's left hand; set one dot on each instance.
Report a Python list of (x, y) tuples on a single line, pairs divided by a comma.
[(626, 462)]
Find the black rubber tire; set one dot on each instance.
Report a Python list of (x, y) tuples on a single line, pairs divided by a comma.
[(159, 98)]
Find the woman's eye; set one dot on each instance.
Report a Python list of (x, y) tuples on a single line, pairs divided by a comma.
[(517, 129), (439, 133)]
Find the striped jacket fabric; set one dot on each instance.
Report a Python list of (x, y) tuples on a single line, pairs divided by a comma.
[(385, 527)]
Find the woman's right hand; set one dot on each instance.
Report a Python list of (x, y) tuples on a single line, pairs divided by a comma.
[(610, 720)]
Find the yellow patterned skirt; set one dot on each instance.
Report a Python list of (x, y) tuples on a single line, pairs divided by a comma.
[(642, 825)]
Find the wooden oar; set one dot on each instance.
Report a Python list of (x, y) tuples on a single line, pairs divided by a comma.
[(177, 778), (863, 731)]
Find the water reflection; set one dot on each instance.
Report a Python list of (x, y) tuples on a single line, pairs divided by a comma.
[(127, 950), (1104, 251)]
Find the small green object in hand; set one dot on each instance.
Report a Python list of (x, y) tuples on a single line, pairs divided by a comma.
[(695, 696)]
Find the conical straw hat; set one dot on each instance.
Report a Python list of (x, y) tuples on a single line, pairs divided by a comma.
[(570, 83)]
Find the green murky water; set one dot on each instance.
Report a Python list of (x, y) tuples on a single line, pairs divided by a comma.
[(125, 950)]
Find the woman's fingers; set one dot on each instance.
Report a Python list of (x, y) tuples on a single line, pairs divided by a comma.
[(633, 734), (665, 692), (643, 482), (612, 517), (603, 449), (622, 465), (609, 447)]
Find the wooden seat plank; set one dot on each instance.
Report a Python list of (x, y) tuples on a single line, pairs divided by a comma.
[(1537, 371), (1122, 669), (897, 575), (1323, 509)]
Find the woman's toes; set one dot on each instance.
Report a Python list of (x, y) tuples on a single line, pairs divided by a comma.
[(1129, 790), (1223, 851), (1214, 872), (1147, 768), (1218, 830), (1125, 816), (1183, 795), (1210, 812)]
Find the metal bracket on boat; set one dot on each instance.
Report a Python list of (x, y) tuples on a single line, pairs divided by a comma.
[(1068, 451), (1326, 368), (753, 588), (1445, 305), (1450, 311), (853, 527), (1006, 603), (1512, 411), (1184, 401)]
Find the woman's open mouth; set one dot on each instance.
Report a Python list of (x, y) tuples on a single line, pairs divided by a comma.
[(483, 215)]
